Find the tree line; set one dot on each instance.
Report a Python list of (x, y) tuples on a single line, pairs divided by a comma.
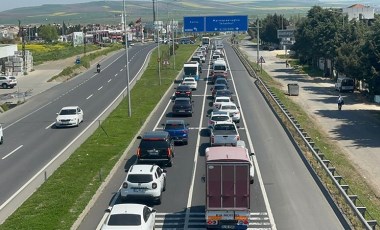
[(353, 47)]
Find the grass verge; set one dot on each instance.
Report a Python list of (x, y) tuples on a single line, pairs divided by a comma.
[(60, 200), (344, 167)]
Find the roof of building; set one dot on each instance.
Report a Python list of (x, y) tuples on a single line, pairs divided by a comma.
[(358, 6)]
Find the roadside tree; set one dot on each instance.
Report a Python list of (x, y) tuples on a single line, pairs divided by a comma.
[(48, 33)]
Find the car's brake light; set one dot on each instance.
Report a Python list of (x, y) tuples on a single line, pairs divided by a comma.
[(125, 185), (138, 153), (154, 185), (187, 92), (169, 152)]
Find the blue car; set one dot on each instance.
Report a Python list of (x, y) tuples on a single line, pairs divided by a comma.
[(178, 130)]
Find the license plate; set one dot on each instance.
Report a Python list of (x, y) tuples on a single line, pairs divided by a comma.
[(153, 153), (182, 111), (137, 190), (228, 226)]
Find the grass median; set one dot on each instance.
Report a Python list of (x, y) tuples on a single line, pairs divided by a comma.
[(60, 200)]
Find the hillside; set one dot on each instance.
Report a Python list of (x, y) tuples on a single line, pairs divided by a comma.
[(108, 12)]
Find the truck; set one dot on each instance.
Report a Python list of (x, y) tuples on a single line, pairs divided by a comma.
[(227, 187), (218, 44), (224, 133), (192, 69)]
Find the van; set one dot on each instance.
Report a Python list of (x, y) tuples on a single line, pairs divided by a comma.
[(345, 84), (219, 67)]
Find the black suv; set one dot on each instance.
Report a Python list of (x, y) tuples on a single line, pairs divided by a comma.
[(156, 147)]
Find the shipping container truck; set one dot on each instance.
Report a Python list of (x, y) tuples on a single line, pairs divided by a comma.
[(227, 187)]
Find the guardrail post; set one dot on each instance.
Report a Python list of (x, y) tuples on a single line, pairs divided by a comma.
[(353, 198)]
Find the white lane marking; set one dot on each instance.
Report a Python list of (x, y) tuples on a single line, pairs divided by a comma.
[(109, 80), (115, 75), (12, 152), (101, 87), (121, 70), (89, 96), (29, 114), (191, 189), (48, 127), (263, 191)]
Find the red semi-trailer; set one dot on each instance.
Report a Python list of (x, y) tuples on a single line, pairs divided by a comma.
[(227, 187)]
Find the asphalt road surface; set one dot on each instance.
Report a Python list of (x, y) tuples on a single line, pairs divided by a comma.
[(285, 195)]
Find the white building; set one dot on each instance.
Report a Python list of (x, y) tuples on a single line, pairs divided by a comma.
[(359, 12)]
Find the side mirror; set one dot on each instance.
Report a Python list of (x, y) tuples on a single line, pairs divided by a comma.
[(57, 113), (203, 179), (163, 124), (252, 154), (207, 115), (164, 170), (139, 137), (154, 210), (238, 127), (187, 124), (108, 210), (211, 89)]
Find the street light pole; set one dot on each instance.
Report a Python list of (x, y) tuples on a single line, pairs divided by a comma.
[(158, 46), (258, 40), (126, 53)]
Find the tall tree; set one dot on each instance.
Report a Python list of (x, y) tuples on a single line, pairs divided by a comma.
[(48, 33)]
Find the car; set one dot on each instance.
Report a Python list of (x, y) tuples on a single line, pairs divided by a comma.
[(190, 81), (155, 147), (1, 135), (218, 101), (69, 116), (218, 116), (216, 88), (201, 55), (183, 91), (8, 82), (225, 92), (182, 106), (221, 80), (178, 130), (144, 182), (130, 216), (232, 109)]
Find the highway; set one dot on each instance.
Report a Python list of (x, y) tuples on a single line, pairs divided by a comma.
[(31, 137), (286, 194)]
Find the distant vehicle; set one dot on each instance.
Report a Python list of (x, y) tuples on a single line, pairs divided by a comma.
[(183, 91), (345, 84), (218, 116), (218, 102), (182, 106), (130, 216), (178, 130), (206, 41), (69, 116), (221, 80), (217, 88), (155, 147), (192, 69), (190, 81), (144, 182), (8, 82), (232, 109), (224, 92), (227, 165)]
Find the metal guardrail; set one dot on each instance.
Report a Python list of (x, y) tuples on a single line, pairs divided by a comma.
[(359, 210)]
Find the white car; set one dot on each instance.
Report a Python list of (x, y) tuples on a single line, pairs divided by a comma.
[(201, 55), (232, 109), (218, 101), (144, 182), (130, 216), (218, 116), (69, 116), (190, 81)]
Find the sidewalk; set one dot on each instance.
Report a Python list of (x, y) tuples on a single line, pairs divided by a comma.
[(355, 129)]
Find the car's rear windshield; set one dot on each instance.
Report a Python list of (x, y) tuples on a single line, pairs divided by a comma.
[(140, 178), (222, 100), (152, 143), (68, 112), (183, 88), (224, 127), (174, 126), (220, 67), (182, 102), (124, 220), (220, 118), (229, 107)]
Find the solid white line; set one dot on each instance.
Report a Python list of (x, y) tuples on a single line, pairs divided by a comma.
[(12, 152), (89, 97), (101, 87), (115, 75), (121, 70), (109, 80), (48, 127), (265, 196)]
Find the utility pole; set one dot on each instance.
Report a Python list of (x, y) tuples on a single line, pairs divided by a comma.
[(158, 47), (126, 54), (258, 40), (154, 12)]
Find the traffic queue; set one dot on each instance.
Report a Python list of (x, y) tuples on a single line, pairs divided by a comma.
[(146, 179)]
